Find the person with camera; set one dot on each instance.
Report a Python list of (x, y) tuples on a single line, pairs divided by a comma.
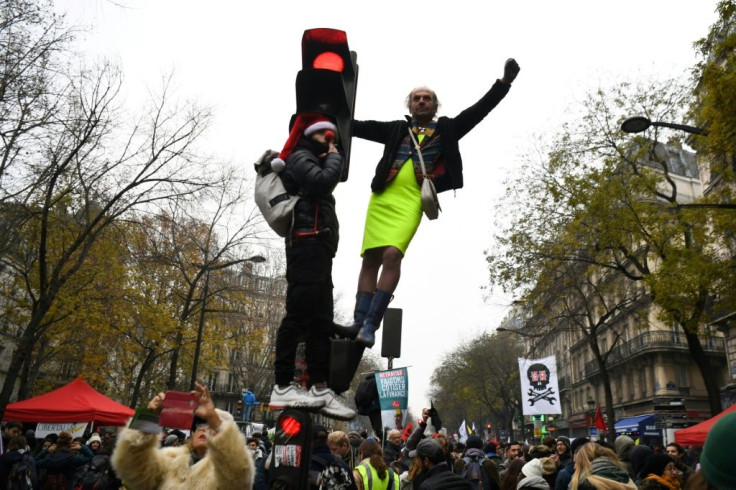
[(215, 457)]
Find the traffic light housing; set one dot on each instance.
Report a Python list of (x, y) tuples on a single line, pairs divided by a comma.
[(291, 454), (327, 82)]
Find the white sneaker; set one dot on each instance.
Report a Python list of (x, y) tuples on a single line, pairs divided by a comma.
[(293, 396), (333, 406)]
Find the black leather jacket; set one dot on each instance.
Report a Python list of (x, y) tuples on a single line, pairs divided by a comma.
[(391, 133), (314, 179)]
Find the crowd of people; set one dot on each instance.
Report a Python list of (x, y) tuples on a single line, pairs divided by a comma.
[(216, 455), (56, 461)]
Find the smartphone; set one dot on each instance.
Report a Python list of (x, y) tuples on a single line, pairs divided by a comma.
[(178, 410)]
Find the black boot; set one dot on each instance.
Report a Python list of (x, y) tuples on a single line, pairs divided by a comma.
[(367, 334), (362, 305)]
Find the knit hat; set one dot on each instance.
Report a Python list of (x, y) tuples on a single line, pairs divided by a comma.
[(533, 468), (576, 443), (716, 461), (94, 438), (622, 445), (490, 447), (474, 441), (304, 125), (656, 463)]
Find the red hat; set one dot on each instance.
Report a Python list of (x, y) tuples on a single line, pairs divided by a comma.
[(305, 124)]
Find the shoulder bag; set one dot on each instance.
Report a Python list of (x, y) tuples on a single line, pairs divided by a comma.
[(430, 201)]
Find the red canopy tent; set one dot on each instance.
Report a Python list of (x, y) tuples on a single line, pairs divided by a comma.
[(695, 435), (75, 402)]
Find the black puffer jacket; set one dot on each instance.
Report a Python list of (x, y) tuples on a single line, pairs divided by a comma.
[(314, 179)]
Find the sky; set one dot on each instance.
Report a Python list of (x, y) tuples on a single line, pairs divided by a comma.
[(241, 58)]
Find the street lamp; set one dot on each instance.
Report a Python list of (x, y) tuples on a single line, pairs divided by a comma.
[(256, 259), (637, 124)]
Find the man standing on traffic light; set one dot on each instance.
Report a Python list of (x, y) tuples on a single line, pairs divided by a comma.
[(395, 209), (311, 169)]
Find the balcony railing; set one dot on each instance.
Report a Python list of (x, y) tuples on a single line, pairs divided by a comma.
[(223, 388), (653, 341)]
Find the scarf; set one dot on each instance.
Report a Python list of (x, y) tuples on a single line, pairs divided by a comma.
[(667, 482), (430, 144)]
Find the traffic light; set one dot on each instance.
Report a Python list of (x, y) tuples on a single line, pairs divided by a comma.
[(327, 82), (292, 450)]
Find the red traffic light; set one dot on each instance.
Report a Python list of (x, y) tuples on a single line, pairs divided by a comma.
[(290, 426), (329, 61)]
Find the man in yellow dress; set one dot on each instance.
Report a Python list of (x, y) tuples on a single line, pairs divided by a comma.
[(395, 208)]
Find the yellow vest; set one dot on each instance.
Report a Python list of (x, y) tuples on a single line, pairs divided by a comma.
[(371, 480)]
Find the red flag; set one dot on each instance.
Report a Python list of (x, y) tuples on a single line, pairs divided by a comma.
[(407, 432), (600, 423)]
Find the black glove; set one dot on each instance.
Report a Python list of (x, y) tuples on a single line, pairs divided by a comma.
[(434, 417), (510, 70)]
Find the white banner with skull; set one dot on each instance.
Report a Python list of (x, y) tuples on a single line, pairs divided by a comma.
[(539, 389)]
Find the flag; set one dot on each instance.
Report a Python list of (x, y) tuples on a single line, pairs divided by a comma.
[(600, 423), (539, 386), (407, 432), (474, 431), (463, 432)]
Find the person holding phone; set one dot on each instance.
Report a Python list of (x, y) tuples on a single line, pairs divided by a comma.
[(215, 457)]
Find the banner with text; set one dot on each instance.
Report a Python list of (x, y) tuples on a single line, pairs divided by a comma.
[(43, 429), (539, 386), (393, 394)]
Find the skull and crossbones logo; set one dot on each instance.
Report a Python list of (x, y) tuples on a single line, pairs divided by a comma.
[(538, 375)]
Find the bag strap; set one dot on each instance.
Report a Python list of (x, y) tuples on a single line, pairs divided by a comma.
[(419, 152)]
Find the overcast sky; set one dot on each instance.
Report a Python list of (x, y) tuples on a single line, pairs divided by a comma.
[(242, 58)]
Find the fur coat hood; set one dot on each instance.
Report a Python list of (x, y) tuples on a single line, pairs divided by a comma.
[(142, 465)]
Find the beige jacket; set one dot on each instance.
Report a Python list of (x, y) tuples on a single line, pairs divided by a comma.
[(142, 465)]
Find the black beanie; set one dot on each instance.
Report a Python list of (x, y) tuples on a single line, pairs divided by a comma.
[(575, 444), (657, 463), (474, 441)]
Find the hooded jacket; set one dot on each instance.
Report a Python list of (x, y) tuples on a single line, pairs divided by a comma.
[(606, 476), (314, 180), (533, 483), (623, 445), (228, 464), (441, 478)]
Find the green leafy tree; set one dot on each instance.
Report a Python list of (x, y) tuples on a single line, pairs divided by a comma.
[(80, 170), (600, 198), (479, 381)]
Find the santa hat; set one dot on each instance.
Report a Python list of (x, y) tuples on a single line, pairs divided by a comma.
[(305, 124)]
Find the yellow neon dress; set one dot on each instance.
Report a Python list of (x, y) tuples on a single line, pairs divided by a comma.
[(393, 215)]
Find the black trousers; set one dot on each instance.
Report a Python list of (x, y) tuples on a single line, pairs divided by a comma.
[(309, 310)]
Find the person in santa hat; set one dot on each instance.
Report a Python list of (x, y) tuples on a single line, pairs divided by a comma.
[(312, 167)]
